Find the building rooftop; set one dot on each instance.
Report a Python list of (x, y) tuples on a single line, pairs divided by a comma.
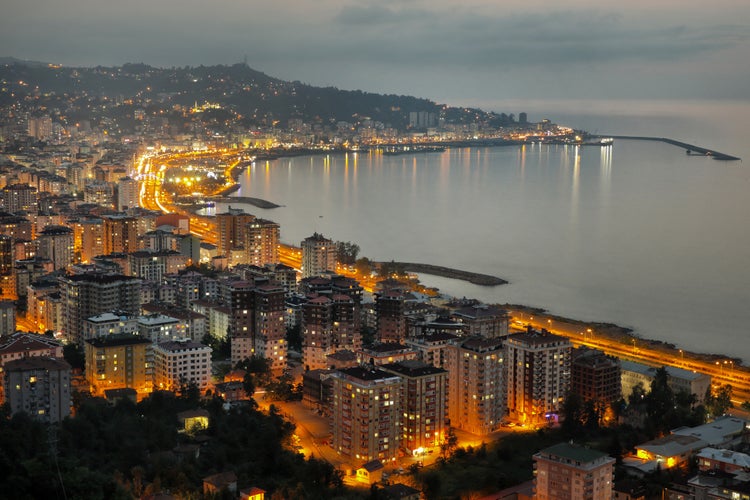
[(672, 445), (573, 452), (650, 371), (726, 456), (413, 368), (366, 373), (35, 363), (716, 432), (22, 341), (181, 345), (118, 340), (537, 338), (385, 348)]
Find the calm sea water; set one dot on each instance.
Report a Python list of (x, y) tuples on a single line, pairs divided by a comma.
[(638, 234)]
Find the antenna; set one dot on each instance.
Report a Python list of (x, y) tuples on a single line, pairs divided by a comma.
[(245, 60)]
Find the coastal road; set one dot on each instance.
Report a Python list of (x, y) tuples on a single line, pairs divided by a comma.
[(722, 370)]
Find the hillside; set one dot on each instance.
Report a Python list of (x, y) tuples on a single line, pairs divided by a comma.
[(254, 97)]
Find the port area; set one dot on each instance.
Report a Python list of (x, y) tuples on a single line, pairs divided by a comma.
[(690, 149)]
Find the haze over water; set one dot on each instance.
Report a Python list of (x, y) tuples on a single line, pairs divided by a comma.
[(640, 234)]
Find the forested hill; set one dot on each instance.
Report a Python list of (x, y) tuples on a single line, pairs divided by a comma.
[(254, 96)]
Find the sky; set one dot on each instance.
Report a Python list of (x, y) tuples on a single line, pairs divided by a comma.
[(469, 52)]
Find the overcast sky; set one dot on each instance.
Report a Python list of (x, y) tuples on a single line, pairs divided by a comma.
[(459, 52)]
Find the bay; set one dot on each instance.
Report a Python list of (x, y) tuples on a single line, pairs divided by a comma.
[(639, 234)]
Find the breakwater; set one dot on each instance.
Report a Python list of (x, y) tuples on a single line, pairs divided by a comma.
[(690, 149), (447, 272)]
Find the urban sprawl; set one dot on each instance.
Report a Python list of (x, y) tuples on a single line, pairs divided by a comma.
[(115, 289)]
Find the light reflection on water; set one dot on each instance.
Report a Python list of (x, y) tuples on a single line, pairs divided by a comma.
[(636, 234)]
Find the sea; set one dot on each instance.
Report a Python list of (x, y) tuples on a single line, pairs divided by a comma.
[(639, 234)]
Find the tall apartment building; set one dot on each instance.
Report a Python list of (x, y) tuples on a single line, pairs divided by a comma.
[(389, 308), (118, 362), (483, 320), (318, 255), (152, 265), (20, 198), (88, 238), (40, 127), (86, 295), (106, 324), (119, 234), (178, 363), (39, 387), (17, 227), (56, 244), (7, 318), (329, 324), (127, 194), (257, 323), (595, 376), (262, 242), (366, 414), (476, 386), (537, 375), (424, 405), (433, 349), (569, 472), (231, 227), (99, 193)]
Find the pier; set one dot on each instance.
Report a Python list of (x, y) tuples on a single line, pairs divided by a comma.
[(690, 149)]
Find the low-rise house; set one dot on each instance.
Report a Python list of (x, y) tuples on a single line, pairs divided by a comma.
[(192, 420), (223, 481), (668, 452), (371, 472)]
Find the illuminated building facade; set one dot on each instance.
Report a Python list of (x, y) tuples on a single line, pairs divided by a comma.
[(389, 308), (120, 234), (257, 323), (39, 387), (318, 255), (476, 391), (262, 242), (595, 376), (20, 198), (182, 362), (366, 413), (127, 193), (537, 375), (570, 472), (86, 295), (231, 227), (118, 362), (56, 244), (424, 404)]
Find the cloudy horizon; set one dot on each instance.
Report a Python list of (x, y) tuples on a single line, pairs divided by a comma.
[(474, 52)]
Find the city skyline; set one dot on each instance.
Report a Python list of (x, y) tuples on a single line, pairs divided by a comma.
[(475, 54)]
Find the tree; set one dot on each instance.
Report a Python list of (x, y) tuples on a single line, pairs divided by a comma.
[(573, 411), (449, 444), (74, 356), (346, 252), (660, 401), (718, 404), (363, 266)]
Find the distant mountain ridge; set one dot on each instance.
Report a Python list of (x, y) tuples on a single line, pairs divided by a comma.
[(15, 60), (250, 94)]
